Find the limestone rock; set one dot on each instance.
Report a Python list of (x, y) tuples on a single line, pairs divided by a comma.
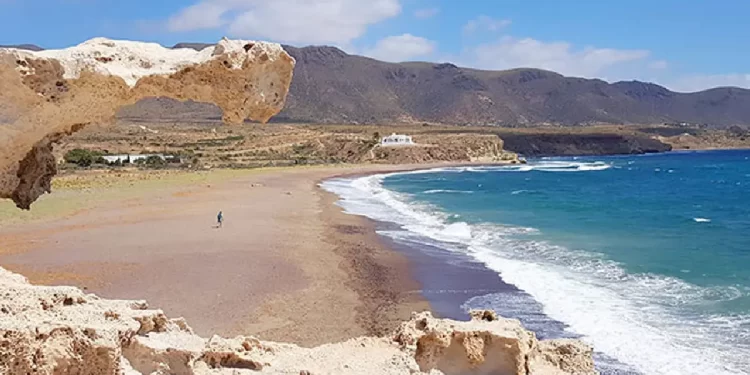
[(61, 330), (489, 344), (48, 94)]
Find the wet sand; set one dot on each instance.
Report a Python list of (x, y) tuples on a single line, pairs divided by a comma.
[(287, 264)]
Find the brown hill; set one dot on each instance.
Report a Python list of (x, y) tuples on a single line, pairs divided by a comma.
[(331, 86), (28, 47)]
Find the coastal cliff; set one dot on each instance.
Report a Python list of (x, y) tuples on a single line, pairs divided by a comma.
[(62, 330), (561, 144), (428, 148)]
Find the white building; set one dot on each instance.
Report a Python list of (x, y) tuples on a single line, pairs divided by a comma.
[(396, 140), (132, 158)]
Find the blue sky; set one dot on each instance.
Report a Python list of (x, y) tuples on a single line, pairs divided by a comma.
[(685, 45)]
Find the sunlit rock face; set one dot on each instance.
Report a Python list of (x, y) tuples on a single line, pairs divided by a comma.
[(49, 94)]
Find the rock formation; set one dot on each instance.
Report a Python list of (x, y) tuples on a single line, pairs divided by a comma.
[(489, 344), (46, 95), (62, 330)]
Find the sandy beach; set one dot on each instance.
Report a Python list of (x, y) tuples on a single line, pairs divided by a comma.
[(287, 264)]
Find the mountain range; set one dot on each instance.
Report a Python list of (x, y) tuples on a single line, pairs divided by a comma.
[(331, 86)]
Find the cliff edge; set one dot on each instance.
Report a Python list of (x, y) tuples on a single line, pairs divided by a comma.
[(62, 330)]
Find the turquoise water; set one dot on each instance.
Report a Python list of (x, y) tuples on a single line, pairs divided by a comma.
[(645, 257)]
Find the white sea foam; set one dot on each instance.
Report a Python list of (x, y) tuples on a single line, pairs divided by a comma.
[(638, 319), (457, 231), (522, 191), (701, 220), (543, 166), (447, 191), (618, 312)]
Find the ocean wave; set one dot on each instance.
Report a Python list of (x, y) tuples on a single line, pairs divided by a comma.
[(614, 310), (701, 220), (618, 319), (447, 191), (522, 191), (544, 166), (541, 166)]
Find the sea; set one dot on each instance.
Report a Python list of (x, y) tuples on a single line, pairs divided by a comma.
[(646, 258)]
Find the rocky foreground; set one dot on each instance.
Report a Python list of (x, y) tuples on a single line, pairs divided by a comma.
[(62, 330)]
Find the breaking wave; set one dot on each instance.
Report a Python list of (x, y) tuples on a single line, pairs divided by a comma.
[(442, 191)]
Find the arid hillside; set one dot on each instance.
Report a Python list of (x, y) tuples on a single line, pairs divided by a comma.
[(207, 145)]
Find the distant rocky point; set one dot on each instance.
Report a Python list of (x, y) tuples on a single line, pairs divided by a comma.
[(27, 47)]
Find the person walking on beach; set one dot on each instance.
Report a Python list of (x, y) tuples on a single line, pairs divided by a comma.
[(219, 219)]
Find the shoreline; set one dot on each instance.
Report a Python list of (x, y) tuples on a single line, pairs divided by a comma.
[(380, 275), (453, 283)]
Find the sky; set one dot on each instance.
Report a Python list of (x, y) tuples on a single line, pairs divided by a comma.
[(685, 45)]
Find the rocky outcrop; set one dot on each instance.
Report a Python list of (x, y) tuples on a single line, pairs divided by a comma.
[(62, 330), (574, 144), (681, 138), (47, 94), (489, 344)]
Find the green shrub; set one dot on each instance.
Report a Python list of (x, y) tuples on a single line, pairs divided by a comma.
[(83, 158), (155, 161)]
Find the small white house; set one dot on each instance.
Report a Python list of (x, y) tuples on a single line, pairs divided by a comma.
[(126, 157), (115, 158), (396, 140)]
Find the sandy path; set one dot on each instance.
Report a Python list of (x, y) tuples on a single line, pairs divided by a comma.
[(286, 265)]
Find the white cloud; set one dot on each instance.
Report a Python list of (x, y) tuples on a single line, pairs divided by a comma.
[(485, 23), (509, 52), (203, 15), (605, 63), (426, 13), (658, 65), (401, 48), (293, 21), (693, 83)]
